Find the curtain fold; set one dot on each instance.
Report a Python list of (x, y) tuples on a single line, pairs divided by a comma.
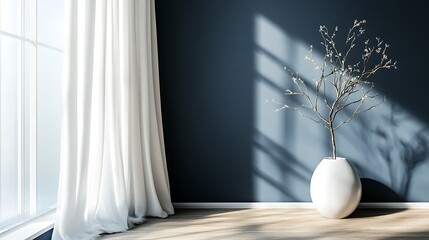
[(113, 168)]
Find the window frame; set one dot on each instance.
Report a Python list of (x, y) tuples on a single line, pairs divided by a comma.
[(27, 210)]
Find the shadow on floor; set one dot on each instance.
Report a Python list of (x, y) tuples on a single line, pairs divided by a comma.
[(410, 235), (374, 212), (375, 191)]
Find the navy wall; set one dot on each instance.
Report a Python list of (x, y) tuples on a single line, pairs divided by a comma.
[(221, 60), (45, 236)]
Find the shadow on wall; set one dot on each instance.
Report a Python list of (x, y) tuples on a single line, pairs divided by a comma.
[(404, 148), (375, 191), (221, 60), (388, 145), (280, 135)]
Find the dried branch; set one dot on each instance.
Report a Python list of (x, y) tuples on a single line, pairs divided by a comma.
[(343, 78), (284, 106), (357, 111)]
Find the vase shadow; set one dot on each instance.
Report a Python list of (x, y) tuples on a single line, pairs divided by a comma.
[(376, 192), (374, 212)]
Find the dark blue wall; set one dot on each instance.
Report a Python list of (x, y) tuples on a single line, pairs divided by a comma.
[(45, 236), (221, 60)]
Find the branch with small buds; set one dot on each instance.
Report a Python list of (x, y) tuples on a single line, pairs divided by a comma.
[(344, 78)]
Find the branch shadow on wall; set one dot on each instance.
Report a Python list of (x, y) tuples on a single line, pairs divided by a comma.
[(217, 57), (400, 152), (386, 146), (396, 148)]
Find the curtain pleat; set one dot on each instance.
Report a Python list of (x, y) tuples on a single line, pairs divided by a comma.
[(113, 168)]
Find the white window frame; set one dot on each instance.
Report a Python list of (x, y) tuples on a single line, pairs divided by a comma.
[(34, 218)]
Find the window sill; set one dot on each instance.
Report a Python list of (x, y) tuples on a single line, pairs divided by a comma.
[(32, 228)]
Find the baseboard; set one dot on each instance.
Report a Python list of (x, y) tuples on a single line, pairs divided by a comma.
[(235, 205)]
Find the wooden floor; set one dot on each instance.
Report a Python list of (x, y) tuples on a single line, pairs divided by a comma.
[(283, 224)]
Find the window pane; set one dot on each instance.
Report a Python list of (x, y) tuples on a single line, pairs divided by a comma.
[(10, 69), (50, 22), (10, 13), (49, 70)]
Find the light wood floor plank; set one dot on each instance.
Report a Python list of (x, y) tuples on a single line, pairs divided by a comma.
[(383, 224)]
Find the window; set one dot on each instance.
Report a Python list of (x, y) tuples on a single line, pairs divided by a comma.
[(31, 40)]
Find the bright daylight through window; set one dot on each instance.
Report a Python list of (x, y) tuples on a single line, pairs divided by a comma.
[(31, 43)]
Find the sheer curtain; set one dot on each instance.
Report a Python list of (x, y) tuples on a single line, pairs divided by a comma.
[(113, 169)]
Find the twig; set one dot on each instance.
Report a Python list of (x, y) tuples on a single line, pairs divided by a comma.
[(346, 79)]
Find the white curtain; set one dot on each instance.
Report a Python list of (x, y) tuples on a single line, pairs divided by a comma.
[(113, 169)]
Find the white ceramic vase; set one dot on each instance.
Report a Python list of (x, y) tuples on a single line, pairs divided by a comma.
[(335, 188)]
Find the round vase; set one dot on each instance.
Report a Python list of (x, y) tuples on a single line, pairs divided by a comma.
[(335, 188)]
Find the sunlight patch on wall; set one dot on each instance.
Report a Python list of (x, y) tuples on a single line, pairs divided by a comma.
[(387, 144), (281, 160), (271, 38)]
